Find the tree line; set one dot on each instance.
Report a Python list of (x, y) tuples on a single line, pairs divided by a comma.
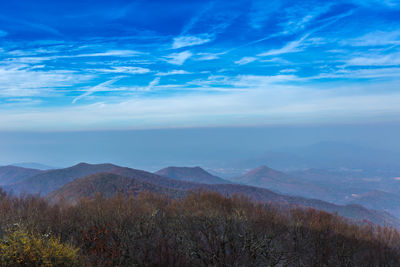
[(201, 229)]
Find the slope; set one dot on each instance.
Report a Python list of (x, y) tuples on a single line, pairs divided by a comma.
[(191, 174), (13, 174)]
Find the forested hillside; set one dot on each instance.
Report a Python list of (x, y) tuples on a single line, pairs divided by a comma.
[(202, 229)]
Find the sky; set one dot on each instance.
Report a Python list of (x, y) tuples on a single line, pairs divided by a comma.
[(122, 65)]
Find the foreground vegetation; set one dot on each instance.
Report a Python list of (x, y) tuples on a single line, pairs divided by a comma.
[(202, 229)]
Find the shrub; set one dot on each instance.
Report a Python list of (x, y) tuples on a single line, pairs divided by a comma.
[(21, 248)]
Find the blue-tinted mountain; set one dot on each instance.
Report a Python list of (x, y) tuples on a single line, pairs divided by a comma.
[(34, 165), (48, 181), (191, 174), (13, 174)]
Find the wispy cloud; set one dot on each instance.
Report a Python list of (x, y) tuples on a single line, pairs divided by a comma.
[(38, 57), (98, 88), (153, 83), (128, 70), (22, 82), (208, 56), (285, 105), (376, 38), (255, 60), (110, 53), (248, 82), (392, 59), (370, 73), (30, 24), (190, 40), (173, 72), (195, 19), (300, 17), (178, 58), (3, 33), (261, 11), (291, 47), (245, 60)]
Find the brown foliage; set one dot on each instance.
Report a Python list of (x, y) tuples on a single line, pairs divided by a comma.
[(202, 229)]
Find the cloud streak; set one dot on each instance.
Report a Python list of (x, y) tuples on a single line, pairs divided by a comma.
[(190, 40), (98, 88), (178, 58)]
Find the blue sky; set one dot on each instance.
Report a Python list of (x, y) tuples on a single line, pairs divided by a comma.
[(90, 65)]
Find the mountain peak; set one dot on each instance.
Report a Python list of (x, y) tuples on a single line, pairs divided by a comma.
[(191, 174), (81, 164)]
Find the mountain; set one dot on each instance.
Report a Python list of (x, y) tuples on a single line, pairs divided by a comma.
[(107, 184), (281, 182), (12, 174), (48, 181), (131, 180), (194, 174), (257, 194), (33, 165), (264, 175), (378, 200), (86, 187), (327, 155)]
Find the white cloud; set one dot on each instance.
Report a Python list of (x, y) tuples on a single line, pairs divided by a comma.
[(369, 73), (190, 40), (173, 72), (377, 38), (275, 104), (291, 47), (245, 60), (153, 83), (375, 60), (98, 88), (110, 53), (20, 81), (128, 70), (178, 58), (288, 71), (245, 81), (208, 56), (300, 16)]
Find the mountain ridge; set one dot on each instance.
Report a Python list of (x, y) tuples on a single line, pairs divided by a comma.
[(190, 174)]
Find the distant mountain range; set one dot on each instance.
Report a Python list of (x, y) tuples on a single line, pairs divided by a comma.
[(326, 155), (280, 182), (12, 174), (195, 174), (33, 165), (85, 180), (378, 200), (48, 181)]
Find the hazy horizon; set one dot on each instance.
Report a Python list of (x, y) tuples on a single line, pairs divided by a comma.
[(151, 149)]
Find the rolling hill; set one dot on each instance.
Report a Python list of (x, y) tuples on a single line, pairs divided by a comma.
[(34, 165), (107, 184), (281, 182), (378, 200), (13, 174), (257, 194), (48, 181), (191, 174)]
